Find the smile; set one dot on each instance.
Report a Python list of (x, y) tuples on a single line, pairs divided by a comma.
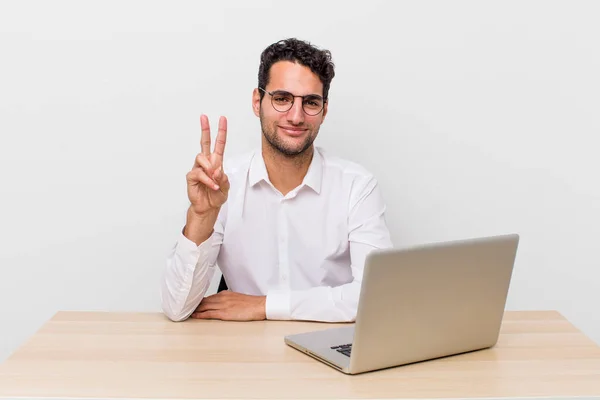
[(292, 131)]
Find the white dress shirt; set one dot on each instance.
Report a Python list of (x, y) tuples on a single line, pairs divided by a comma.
[(305, 251)]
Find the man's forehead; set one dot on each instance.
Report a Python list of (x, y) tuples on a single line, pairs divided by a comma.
[(294, 78)]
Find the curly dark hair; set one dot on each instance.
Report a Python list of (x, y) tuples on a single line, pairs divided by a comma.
[(304, 53)]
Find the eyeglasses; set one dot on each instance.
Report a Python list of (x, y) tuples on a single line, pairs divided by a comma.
[(283, 101)]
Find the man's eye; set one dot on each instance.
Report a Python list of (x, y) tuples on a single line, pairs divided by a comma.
[(313, 102)]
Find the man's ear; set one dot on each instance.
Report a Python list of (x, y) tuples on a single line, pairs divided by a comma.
[(325, 110), (256, 102)]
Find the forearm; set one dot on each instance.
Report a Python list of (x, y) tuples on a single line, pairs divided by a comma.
[(323, 303), (187, 276)]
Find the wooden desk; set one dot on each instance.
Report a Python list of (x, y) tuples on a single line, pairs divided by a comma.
[(139, 355)]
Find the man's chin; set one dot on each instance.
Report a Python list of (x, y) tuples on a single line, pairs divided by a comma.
[(293, 151), (287, 145)]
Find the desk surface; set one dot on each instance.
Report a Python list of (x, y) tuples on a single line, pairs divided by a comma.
[(144, 355)]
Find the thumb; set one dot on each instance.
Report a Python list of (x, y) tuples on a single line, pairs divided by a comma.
[(223, 182)]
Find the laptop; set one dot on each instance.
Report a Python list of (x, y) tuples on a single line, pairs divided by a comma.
[(421, 303)]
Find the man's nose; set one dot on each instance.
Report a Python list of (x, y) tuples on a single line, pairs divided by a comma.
[(295, 114)]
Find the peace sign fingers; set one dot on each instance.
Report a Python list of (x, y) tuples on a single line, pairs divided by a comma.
[(205, 138)]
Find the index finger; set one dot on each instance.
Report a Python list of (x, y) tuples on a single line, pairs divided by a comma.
[(221, 137), (205, 138)]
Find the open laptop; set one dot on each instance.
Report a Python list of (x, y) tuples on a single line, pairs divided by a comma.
[(421, 303)]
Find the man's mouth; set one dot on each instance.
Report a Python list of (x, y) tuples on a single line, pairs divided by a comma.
[(293, 130)]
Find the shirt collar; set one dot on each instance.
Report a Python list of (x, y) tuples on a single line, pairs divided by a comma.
[(258, 170), (313, 178)]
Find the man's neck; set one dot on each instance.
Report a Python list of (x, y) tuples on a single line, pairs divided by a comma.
[(286, 173)]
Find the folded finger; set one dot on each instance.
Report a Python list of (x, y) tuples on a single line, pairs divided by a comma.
[(211, 314), (203, 162), (198, 175)]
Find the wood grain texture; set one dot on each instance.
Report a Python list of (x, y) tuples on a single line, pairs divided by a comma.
[(144, 355)]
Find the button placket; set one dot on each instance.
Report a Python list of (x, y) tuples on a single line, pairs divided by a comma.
[(283, 246)]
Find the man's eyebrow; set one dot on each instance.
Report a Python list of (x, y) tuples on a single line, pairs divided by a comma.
[(287, 91)]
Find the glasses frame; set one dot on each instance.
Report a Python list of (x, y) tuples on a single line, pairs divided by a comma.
[(293, 100)]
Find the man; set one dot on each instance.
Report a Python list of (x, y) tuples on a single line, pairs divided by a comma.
[(289, 225)]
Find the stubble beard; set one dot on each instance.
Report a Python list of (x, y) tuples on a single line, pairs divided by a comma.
[(278, 145)]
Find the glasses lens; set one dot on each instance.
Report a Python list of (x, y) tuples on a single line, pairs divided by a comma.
[(312, 105), (282, 101)]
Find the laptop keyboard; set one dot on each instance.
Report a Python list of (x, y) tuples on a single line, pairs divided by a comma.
[(345, 349)]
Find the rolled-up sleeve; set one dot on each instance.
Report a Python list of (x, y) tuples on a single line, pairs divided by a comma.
[(188, 273)]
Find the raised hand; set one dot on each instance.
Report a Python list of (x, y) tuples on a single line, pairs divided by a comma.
[(207, 183)]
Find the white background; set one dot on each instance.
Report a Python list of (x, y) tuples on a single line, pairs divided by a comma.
[(478, 118)]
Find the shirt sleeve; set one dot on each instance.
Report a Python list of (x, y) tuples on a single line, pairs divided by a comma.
[(188, 273), (367, 231)]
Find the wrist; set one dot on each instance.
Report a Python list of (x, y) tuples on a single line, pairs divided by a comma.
[(262, 307), (199, 227)]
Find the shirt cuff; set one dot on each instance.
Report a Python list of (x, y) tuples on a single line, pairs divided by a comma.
[(278, 305)]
